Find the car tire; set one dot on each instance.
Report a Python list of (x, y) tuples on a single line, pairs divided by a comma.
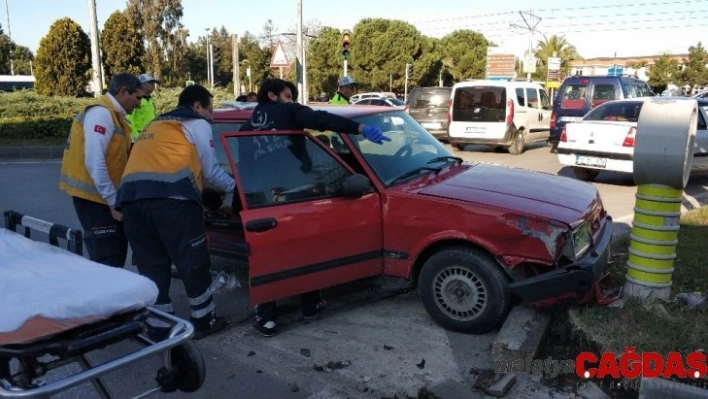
[(459, 147), (518, 144), (464, 290), (585, 174)]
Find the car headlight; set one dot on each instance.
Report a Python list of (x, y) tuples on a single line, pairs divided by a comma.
[(578, 242)]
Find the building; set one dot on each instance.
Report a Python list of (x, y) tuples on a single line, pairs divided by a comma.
[(602, 65)]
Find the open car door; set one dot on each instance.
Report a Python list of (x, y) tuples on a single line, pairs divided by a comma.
[(302, 234)]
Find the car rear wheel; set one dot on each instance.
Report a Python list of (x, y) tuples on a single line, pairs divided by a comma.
[(586, 174), (458, 147), (518, 145), (464, 290)]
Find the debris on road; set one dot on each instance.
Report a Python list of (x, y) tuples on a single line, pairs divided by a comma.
[(388, 348), (305, 352), (421, 365), (251, 353), (495, 384)]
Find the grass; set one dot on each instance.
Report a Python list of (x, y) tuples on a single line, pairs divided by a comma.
[(646, 326)]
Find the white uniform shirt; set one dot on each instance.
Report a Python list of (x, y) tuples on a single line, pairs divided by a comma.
[(98, 131)]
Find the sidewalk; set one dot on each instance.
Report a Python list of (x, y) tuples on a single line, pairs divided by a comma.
[(31, 152)]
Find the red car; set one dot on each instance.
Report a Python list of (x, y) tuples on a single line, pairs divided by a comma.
[(317, 209)]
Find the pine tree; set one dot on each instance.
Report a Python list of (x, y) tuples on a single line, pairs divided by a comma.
[(63, 60)]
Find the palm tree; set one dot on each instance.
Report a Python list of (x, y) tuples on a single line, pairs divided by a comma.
[(561, 48), (637, 66)]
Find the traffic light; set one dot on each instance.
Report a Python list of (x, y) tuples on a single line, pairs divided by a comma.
[(216, 54), (345, 45), (409, 70)]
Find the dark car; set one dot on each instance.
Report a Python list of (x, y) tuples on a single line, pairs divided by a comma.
[(429, 107), (474, 238), (579, 94)]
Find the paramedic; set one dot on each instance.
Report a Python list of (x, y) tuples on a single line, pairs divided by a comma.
[(347, 88), (140, 117), (276, 110), (94, 158), (160, 196)]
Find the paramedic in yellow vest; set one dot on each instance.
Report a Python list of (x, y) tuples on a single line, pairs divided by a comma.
[(160, 196), (144, 114), (347, 88), (94, 158)]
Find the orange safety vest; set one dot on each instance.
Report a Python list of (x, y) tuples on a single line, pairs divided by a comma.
[(75, 179)]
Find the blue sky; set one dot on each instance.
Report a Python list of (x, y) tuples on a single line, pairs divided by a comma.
[(599, 28)]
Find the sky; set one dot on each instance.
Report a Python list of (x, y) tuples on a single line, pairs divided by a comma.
[(597, 29)]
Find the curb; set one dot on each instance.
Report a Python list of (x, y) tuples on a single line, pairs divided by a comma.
[(31, 152)]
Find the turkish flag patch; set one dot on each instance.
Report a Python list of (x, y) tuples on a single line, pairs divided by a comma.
[(99, 129), (211, 142)]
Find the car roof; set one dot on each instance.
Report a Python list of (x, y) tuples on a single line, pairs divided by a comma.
[(497, 83), (225, 114), (644, 99)]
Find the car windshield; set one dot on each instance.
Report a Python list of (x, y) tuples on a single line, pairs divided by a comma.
[(411, 147), (396, 102)]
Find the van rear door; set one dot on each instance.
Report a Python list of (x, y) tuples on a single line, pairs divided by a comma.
[(480, 112), (428, 106)]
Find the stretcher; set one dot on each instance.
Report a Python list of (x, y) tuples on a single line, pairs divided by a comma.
[(56, 307)]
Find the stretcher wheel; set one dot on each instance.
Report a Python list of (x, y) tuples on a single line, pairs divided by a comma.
[(188, 361)]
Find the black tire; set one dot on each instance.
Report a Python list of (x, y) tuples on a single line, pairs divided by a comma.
[(586, 174), (459, 147), (188, 361), (518, 144), (463, 270)]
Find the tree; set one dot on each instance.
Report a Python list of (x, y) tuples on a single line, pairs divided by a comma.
[(22, 59), (269, 38), (221, 40), (324, 61), (464, 54), (664, 71), (695, 72), (195, 60), (121, 45), (561, 48), (5, 50), (251, 54), (63, 60), (637, 66), (158, 22)]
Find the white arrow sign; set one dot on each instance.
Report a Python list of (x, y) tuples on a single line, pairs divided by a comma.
[(279, 57)]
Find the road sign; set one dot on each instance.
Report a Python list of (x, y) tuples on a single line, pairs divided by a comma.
[(501, 66), (279, 57), (615, 70), (554, 73), (530, 64)]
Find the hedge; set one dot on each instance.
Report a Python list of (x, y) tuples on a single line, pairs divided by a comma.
[(26, 115)]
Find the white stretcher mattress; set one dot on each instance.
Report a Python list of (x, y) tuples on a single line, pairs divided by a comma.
[(45, 290)]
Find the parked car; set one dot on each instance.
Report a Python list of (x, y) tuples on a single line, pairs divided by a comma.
[(316, 209), (429, 106), (501, 114), (580, 94), (385, 102), (604, 138)]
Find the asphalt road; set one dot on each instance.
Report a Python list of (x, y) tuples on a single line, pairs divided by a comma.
[(32, 188)]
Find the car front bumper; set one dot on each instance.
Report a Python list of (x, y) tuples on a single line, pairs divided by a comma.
[(570, 282)]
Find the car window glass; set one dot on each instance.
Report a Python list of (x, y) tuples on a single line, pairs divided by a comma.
[(622, 111), (532, 97), (430, 98), (479, 104), (545, 100), (573, 96), (377, 102), (701, 120), (521, 96), (216, 129), (602, 93), (281, 169)]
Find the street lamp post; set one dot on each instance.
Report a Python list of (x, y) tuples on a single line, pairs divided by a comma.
[(208, 57), (9, 35)]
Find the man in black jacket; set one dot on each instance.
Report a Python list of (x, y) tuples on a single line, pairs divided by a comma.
[(276, 110)]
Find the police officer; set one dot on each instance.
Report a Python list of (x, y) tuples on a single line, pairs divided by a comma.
[(143, 115), (347, 88), (276, 110), (94, 158), (161, 199)]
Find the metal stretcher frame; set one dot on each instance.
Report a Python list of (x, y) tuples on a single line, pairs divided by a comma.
[(183, 366)]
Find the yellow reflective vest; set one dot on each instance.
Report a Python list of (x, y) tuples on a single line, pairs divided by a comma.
[(339, 99), (75, 179), (163, 163)]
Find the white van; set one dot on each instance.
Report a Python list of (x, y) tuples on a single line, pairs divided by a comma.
[(498, 113)]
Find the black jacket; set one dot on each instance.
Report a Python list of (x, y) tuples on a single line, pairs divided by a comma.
[(295, 116)]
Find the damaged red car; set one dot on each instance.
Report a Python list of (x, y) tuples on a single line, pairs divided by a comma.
[(316, 209)]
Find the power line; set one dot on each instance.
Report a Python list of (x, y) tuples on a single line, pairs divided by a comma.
[(607, 6)]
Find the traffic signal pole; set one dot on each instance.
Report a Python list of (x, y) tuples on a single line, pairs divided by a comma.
[(345, 51)]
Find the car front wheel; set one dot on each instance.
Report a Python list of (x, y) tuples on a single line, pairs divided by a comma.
[(464, 290)]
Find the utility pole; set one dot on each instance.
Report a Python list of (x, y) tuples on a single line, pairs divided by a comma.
[(305, 94), (9, 35), (211, 69), (236, 69), (96, 57), (298, 54), (390, 82), (405, 85), (531, 23), (208, 57)]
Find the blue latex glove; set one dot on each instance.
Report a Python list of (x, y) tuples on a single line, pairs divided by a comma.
[(374, 134)]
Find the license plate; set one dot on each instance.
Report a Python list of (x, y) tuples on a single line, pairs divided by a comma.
[(475, 130), (432, 125), (591, 161), (571, 118)]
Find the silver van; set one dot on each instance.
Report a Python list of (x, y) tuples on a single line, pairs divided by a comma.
[(500, 114)]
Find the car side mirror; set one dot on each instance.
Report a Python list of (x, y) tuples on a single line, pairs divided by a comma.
[(355, 186)]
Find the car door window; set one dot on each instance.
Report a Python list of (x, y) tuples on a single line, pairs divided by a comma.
[(701, 120), (545, 100), (602, 93), (278, 169), (532, 97), (521, 97), (216, 129), (378, 102)]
